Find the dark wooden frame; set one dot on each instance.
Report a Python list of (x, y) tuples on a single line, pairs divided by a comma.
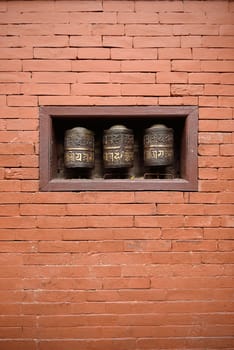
[(187, 182)]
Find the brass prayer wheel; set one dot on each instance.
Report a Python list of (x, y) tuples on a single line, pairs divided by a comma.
[(158, 146), (79, 148), (118, 147)]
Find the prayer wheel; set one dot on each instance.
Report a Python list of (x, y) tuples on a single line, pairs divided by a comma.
[(79, 148), (118, 147), (158, 146)]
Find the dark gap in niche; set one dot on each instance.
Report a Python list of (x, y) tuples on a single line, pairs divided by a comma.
[(98, 126)]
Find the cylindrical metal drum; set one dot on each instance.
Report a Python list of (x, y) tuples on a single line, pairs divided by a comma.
[(79, 148), (158, 146), (118, 147)]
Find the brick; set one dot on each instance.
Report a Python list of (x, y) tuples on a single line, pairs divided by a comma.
[(182, 233), (186, 209), (172, 77), (226, 101), (202, 221), (9, 88), (15, 77), (208, 150), (215, 162), (158, 6), (191, 41), (3, 6), (10, 65), (157, 41), (147, 246), (82, 6), (118, 6), (159, 197), (35, 41), (152, 30), (27, 29), (204, 6), (21, 173), (28, 7), (213, 53), (96, 66), (184, 89), (116, 344), (126, 284), (194, 246), (208, 101), (202, 78), (135, 17), (226, 29), (46, 65), (93, 17), (225, 197), (226, 150), (15, 17), (3, 100), (54, 77), (219, 18), (185, 100), (195, 29), (21, 124), (16, 53), (19, 344), (217, 41), (93, 53), (207, 173), (145, 66), (226, 174), (9, 210), (183, 18), (46, 89), (95, 89), (9, 185), (107, 29), (86, 41), (212, 89), (226, 245), (145, 89), (55, 53), (16, 148), (21, 100), (17, 222), (174, 53), (159, 221), (132, 78), (117, 41), (133, 54), (226, 78), (110, 209), (21, 112), (186, 66), (218, 66), (64, 100), (95, 77), (87, 221)]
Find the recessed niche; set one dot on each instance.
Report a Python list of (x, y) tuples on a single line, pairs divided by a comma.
[(63, 168)]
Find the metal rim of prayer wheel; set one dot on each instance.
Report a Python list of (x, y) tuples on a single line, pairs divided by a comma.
[(79, 148), (158, 146), (118, 147)]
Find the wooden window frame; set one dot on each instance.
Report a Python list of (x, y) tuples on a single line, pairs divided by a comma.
[(189, 176)]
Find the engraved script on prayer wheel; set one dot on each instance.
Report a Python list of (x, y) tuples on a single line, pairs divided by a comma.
[(158, 146), (79, 148), (118, 147)]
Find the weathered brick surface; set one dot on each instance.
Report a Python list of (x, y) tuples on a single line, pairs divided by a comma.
[(116, 270)]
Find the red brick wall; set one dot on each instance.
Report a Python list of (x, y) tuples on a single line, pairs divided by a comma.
[(122, 270)]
